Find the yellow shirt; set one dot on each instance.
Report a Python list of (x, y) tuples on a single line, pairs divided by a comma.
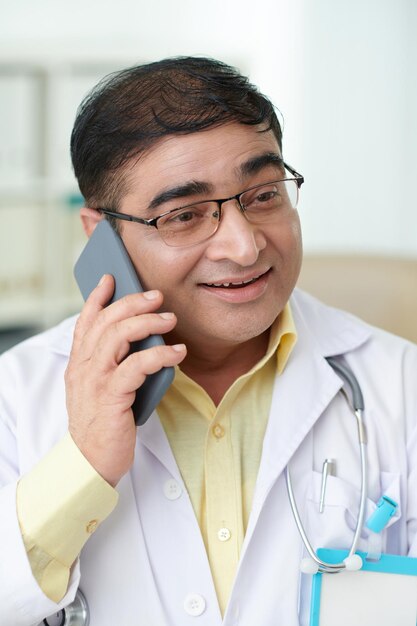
[(218, 450)]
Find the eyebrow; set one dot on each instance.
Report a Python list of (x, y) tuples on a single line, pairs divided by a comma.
[(195, 187), (191, 188), (258, 163)]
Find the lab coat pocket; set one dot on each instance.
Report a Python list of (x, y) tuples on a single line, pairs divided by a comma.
[(335, 526)]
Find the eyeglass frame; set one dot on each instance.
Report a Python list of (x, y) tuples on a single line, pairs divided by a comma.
[(298, 178)]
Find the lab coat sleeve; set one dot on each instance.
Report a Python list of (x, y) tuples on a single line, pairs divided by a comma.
[(22, 602), (24, 441)]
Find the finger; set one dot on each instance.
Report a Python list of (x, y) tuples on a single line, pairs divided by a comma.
[(96, 316), (131, 305), (95, 303), (114, 344), (131, 373)]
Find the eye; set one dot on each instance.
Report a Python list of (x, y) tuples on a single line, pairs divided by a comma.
[(182, 218), (265, 196)]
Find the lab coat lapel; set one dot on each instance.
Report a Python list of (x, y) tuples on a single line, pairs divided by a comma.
[(153, 437), (303, 391), (300, 395)]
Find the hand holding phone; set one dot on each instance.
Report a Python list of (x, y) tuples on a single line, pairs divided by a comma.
[(119, 366), (106, 254)]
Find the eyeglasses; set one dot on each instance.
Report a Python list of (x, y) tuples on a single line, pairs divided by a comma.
[(196, 222)]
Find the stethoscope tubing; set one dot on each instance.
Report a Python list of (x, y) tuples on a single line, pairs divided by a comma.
[(358, 408)]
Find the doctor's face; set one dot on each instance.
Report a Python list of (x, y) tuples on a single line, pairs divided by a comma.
[(229, 288)]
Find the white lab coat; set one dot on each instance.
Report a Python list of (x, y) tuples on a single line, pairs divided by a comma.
[(146, 565)]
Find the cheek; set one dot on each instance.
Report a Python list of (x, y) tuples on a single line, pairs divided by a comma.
[(159, 267), (288, 244), (297, 242), (295, 253), (153, 272), (287, 254)]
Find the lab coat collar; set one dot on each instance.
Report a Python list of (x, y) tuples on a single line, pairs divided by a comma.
[(61, 336), (335, 332)]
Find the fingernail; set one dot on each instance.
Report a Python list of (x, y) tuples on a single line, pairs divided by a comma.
[(101, 281), (150, 295), (167, 316), (179, 347)]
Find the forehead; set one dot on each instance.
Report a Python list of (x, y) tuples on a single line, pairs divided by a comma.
[(214, 156)]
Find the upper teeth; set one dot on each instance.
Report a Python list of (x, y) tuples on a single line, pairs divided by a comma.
[(243, 282)]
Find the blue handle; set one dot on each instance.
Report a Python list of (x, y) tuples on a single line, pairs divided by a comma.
[(386, 508)]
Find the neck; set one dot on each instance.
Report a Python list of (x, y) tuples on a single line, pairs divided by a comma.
[(215, 368)]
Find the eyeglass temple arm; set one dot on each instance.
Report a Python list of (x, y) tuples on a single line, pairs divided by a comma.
[(127, 218), (299, 177)]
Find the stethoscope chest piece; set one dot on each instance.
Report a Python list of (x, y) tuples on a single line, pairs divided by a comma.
[(75, 614)]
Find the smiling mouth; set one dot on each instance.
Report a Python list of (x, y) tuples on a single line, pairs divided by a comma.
[(236, 285)]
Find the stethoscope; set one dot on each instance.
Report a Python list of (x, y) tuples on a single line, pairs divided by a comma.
[(313, 564), (75, 614)]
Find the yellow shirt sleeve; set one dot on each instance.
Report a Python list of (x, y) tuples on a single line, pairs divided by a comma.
[(60, 503)]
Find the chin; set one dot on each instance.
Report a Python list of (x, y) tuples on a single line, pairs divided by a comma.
[(240, 331)]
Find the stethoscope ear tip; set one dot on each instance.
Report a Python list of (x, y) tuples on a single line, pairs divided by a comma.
[(308, 566), (353, 563)]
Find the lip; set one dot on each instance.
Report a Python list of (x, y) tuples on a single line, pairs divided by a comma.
[(245, 293), (236, 279)]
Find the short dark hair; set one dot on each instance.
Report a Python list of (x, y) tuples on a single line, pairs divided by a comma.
[(130, 110)]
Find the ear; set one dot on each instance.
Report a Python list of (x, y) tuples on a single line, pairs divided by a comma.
[(90, 218)]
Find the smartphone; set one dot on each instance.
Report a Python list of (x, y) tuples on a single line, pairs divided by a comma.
[(105, 253)]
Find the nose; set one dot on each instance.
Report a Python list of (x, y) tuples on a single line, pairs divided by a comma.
[(236, 239)]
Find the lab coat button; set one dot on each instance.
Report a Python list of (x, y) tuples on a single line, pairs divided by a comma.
[(194, 604), (172, 489), (224, 534)]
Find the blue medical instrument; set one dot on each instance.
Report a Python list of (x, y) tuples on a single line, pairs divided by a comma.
[(352, 561), (75, 614), (385, 509)]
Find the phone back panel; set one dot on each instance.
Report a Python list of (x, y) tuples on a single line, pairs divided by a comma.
[(105, 253)]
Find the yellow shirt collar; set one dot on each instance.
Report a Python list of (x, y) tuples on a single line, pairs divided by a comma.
[(282, 338)]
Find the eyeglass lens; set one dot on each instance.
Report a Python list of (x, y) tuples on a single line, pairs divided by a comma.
[(193, 224)]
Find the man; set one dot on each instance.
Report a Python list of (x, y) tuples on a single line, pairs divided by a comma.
[(187, 517)]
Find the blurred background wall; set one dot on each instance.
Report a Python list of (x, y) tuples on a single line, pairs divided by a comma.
[(343, 75)]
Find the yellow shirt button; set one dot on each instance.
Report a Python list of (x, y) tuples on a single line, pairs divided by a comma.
[(218, 431), (224, 534), (91, 526)]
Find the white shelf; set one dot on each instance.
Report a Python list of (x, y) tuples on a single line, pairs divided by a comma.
[(41, 234), (36, 312)]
